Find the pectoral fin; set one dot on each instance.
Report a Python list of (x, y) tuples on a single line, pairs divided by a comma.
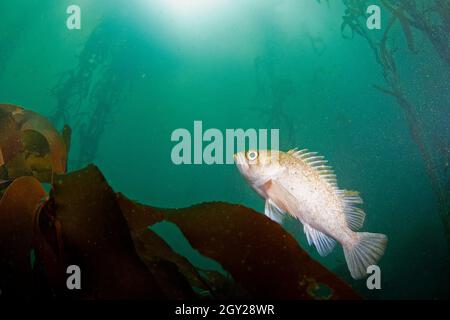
[(272, 211), (282, 198)]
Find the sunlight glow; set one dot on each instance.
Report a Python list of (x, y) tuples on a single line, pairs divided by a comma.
[(192, 8)]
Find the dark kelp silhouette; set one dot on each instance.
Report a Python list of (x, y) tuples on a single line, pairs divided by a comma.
[(116, 54), (273, 91), (98, 81), (18, 207), (83, 222), (431, 20)]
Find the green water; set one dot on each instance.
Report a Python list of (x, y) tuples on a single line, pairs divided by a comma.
[(160, 65)]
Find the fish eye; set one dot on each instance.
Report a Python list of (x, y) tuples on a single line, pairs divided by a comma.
[(252, 155)]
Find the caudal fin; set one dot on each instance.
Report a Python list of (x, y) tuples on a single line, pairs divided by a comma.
[(365, 251)]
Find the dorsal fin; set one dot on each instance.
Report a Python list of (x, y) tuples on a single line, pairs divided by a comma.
[(318, 163), (295, 152)]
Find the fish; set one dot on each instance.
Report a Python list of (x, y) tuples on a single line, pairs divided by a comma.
[(299, 183)]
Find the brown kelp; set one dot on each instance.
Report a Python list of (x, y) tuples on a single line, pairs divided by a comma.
[(430, 21), (30, 145), (18, 222)]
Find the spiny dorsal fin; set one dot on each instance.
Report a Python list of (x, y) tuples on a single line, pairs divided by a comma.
[(318, 163), (295, 152)]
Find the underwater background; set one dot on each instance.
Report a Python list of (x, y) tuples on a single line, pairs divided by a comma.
[(139, 69)]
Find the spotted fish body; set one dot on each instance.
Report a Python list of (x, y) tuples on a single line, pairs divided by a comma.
[(300, 183)]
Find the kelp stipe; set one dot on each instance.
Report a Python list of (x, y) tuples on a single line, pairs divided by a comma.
[(412, 18)]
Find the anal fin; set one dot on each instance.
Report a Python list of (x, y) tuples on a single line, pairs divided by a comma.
[(323, 243)]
